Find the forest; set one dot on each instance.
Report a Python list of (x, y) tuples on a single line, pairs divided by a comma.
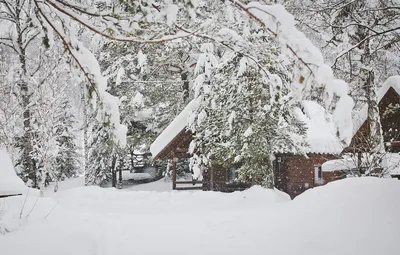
[(87, 84)]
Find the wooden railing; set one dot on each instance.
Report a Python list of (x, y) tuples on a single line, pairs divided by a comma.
[(227, 187), (189, 187)]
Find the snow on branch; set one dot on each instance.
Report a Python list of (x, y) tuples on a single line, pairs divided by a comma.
[(112, 24), (276, 20), (90, 68)]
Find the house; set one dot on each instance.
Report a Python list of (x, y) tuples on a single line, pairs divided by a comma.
[(389, 110), (294, 173), (353, 157)]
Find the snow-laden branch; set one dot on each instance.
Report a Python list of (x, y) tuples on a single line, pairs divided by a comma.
[(276, 20), (90, 68), (112, 23)]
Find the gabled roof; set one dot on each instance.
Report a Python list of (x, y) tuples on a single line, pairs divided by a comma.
[(361, 116), (321, 135), (172, 130)]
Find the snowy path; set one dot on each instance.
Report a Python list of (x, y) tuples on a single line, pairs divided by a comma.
[(359, 216)]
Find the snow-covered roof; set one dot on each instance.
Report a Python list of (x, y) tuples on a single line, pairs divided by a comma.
[(361, 116), (172, 130), (321, 131), (338, 165), (390, 164), (320, 135), (10, 183)]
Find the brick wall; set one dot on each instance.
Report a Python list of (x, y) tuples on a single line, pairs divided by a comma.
[(296, 173), (219, 178)]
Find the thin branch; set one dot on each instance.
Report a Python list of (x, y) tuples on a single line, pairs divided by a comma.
[(108, 36), (246, 9)]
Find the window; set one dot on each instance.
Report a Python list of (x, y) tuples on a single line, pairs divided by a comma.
[(318, 175)]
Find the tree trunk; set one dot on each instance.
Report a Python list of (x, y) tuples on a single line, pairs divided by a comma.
[(373, 119), (114, 172), (185, 86), (27, 161)]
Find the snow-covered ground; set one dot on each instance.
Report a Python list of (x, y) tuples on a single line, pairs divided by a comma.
[(352, 216)]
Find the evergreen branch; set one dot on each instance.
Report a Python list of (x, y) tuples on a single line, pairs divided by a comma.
[(227, 46)]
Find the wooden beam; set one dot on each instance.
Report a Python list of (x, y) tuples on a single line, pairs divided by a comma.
[(173, 171), (190, 188), (10, 195), (188, 182), (181, 150)]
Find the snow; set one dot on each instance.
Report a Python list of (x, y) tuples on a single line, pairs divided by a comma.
[(338, 165), (282, 24), (126, 175), (10, 183), (172, 12), (342, 117), (172, 130), (320, 135), (351, 216), (67, 184), (248, 132), (161, 185), (391, 163), (361, 116)]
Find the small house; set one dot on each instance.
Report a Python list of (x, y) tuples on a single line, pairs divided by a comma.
[(296, 173), (388, 97), (323, 161), (293, 173)]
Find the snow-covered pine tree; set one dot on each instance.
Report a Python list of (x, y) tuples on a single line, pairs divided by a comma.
[(148, 79), (213, 22), (67, 159), (102, 153), (245, 104)]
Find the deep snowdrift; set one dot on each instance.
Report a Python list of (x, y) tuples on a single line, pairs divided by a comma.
[(353, 216)]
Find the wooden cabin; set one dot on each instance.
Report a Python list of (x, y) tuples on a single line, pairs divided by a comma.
[(389, 110), (296, 173), (293, 173)]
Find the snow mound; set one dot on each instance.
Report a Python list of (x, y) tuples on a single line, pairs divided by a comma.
[(360, 214), (10, 183), (370, 195), (142, 201)]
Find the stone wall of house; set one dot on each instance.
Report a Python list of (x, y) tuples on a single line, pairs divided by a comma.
[(297, 173)]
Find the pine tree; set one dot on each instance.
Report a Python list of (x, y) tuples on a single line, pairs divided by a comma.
[(67, 159), (245, 113)]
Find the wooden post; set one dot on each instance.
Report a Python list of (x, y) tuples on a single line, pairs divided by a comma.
[(212, 177), (173, 171)]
